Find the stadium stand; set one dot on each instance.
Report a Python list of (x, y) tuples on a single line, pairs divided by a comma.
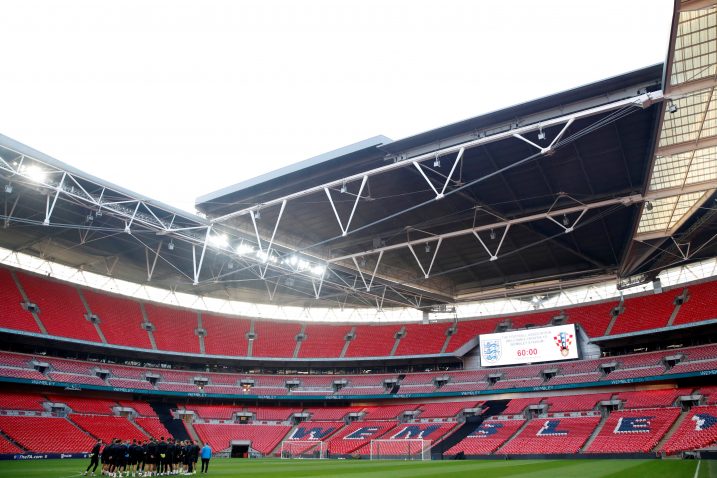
[(120, 319), (651, 398), (7, 447), (633, 431), (356, 436), (97, 406), (593, 319), (152, 427), (21, 401), (275, 339), (645, 313), (263, 438), (575, 403), (487, 438), (373, 341), (218, 412), (697, 430), (108, 427), (469, 330), (61, 309), (518, 405), (323, 341), (699, 305), (143, 409), (12, 315), (543, 436), (174, 328), (330, 413), (225, 335), (387, 412), (426, 338), (273, 413), (46, 434)]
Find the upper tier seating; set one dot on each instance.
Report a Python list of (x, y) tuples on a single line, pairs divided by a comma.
[(225, 335), (426, 338), (486, 438), (273, 413), (633, 431), (551, 435), (100, 406), (143, 409), (324, 340), (174, 328), (593, 318), (46, 434), (645, 313), (107, 427), (373, 341), (12, 315), (218, 412), (275, 339), (120, 319), (700, 304), (61, 309), (697, 430), (263, 438)]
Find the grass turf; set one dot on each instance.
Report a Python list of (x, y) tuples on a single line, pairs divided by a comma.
[(270, 468)]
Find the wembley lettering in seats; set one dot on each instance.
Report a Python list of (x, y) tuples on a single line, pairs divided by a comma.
[(362, 433), (311, 433), (414, 432), (550, 428), (486, 429), (542, 344), (633, 425), (703, 421)]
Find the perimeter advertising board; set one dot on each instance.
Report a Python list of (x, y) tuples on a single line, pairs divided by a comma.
[(544, 344)]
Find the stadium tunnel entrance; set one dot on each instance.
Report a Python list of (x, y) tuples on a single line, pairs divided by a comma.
[(240, 448)]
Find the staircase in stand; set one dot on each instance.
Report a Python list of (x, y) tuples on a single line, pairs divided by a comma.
[(173, 426), (492, 408)]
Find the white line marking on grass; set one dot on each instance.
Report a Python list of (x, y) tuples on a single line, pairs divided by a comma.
[(697, 470)]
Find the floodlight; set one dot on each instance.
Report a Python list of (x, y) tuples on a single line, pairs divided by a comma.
[(8, 188), (428, 248), (437, 162), (257, 215), (672, 108), (541, 134), (492, 234), (648, 206), (219, 240), (244, 248), (318, 270), (36, 173), (343, 187), (566, 223), (170, 246)]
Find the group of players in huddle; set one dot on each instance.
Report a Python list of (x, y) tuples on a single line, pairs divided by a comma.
[(147, 458)]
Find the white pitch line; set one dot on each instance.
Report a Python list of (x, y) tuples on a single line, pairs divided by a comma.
[(697, 470)]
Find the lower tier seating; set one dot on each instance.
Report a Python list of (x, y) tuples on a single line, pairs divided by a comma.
[(107, 427), (263, 438), (633, 431), (46, 434), (697, 430), (486, 439), (551, 435)]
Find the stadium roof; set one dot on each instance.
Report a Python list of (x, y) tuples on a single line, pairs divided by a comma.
[(615, 179)]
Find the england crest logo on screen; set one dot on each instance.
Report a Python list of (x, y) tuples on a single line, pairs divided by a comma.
[(564, 340), (491, 351)]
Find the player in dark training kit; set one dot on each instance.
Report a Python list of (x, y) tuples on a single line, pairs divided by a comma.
[(94, 458)]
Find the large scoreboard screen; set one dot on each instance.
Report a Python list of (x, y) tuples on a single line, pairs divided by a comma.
[(544, 344)]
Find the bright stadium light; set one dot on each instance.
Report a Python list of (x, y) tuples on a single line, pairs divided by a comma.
[(318, 270), (244, 249), (35, 173), (219, 240)]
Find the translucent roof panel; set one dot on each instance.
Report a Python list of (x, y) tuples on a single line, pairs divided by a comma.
[(668, 212), (695, 118), (695, 55), (682, 169)]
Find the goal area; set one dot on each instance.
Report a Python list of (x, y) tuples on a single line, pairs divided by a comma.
[(313, 449), (406, 449)]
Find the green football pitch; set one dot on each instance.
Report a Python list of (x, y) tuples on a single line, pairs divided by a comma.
[(269, 468)]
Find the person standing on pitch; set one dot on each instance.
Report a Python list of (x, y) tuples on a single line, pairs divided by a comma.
[(94, 457), (206, 455)]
